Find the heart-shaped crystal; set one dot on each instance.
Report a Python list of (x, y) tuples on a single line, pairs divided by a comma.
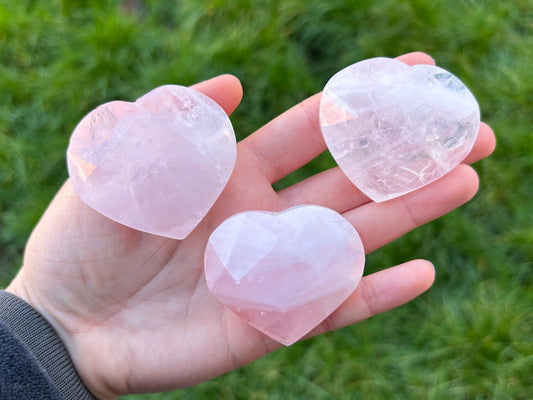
[(284, 273), (156, 165), (393, 128)]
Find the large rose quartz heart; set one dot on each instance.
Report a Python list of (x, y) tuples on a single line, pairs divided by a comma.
[(284, 273), (156, 165), (393, 128)]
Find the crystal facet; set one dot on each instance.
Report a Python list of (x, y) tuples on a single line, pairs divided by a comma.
[(156, 165), (284, 273), (393, 128)]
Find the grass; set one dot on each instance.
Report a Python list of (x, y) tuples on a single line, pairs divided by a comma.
[(470, 336)]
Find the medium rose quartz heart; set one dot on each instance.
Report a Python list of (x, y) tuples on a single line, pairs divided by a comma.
[(284, 273), (393, 128), (156, 165)]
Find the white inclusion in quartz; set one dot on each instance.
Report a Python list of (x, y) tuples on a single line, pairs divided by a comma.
[(393, 128)]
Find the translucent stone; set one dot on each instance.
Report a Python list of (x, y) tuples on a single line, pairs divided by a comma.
[(284, 273), (393, 128), (156, 165)]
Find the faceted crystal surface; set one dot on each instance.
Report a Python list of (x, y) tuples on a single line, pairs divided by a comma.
[(393, 128), (284, 273), (156, 165)]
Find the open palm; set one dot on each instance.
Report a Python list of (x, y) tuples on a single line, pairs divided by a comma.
[(134, 309)]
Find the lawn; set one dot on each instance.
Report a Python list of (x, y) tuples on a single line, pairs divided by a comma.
[(471, 335)]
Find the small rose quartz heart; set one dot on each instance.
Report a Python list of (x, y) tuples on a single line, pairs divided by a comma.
[(156, 165), (284, 273), (393, 128)]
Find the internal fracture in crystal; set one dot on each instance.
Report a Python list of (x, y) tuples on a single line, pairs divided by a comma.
[(393, 128)]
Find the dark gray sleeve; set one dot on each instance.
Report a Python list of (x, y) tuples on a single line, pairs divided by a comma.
[(34, 362)]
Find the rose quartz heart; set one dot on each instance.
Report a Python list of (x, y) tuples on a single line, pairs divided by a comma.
[(284, 273), (156, 165), (393, 128)]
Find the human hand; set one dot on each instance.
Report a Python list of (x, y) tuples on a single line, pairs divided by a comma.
[(133, 309)]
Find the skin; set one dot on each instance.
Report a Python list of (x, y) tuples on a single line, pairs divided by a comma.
[(133, 309)]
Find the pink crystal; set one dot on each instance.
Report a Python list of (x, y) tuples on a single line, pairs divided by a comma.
[(156, 165), (284, 273), (393, 128)]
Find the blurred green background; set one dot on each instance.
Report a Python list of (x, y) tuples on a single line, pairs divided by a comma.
[(471, 335)]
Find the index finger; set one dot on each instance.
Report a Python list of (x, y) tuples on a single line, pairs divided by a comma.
[(226, 90)]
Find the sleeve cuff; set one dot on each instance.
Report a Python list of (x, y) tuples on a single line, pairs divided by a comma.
[(32, 329)]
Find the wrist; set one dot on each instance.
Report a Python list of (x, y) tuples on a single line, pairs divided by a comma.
[(42, 341), (85, 370)]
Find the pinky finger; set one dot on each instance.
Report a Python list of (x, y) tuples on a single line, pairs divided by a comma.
[(380, 292)]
